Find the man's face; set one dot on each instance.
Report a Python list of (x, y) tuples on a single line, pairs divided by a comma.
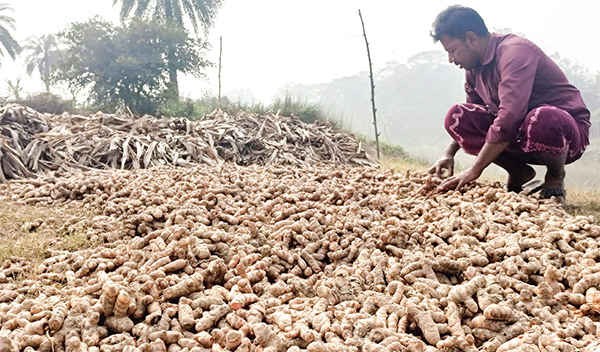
[(461, 52)]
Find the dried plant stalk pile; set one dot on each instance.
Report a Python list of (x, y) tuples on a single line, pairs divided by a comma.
[(282, 259), (31, 142)]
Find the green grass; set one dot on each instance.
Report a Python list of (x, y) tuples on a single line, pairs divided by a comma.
[(402, 163), (30, 245), (19, 239), (74, 242), (584, 202)]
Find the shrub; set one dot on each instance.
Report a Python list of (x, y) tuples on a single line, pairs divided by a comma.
[(50, 103), (286, 106)]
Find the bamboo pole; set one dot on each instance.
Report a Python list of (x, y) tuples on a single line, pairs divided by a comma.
[(220, 54), (372, 84)]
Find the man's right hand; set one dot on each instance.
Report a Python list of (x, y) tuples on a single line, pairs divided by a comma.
[(441, 166), (446, 162)]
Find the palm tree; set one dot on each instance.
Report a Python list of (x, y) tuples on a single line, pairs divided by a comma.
[(173, 12), (9, 44), (43, 54), (198, 12)]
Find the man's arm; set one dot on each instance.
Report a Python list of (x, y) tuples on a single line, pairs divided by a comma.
[(487, 155)]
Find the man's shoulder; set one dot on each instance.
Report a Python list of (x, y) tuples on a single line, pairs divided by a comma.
[(508, 40), (510, 45)]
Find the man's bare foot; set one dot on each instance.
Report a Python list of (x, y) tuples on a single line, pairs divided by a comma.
[(517, 179), (558, 194), (554, 186)]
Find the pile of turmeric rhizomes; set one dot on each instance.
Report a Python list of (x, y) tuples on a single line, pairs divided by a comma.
[(258, 258)]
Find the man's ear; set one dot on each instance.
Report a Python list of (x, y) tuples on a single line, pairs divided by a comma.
[(471, 38)]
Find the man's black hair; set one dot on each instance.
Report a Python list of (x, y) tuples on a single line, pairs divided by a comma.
[(456, 21)]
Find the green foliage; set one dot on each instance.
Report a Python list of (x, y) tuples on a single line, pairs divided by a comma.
[(307, 112), (173, 13), (9, 44), (127, 66), (14, 88), (233, 107), (392, 150), (285, 106), (195, 109), (411, 99), (582, 78), (595, 129), (192, 109), (198, 12), (43, 55), (593, 150), (50, 103), (391, 153)]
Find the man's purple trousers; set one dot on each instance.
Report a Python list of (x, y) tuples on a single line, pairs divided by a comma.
[(546, 129)]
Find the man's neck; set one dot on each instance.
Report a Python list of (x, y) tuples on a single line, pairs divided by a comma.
[(482, 48)]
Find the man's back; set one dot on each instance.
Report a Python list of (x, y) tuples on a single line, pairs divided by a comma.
[(516, 75)]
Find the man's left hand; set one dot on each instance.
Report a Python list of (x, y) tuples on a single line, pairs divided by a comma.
[(458, 181)]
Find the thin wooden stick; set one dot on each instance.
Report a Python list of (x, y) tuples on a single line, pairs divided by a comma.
[(372, 84), (220, 54)]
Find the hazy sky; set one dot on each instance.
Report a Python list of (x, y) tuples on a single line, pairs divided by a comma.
[(270, 43)]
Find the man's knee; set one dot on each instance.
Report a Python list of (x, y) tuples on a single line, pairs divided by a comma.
[(467, 118), (454, 116), (551, 130)]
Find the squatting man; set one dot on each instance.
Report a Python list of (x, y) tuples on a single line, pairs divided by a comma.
[(520, 108)]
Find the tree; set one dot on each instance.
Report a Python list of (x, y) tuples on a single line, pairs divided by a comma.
[(412, 100), (173, 12), (43, 54), (9, 44), (581, 77), (198, 12), (126, 65), (15, 88)]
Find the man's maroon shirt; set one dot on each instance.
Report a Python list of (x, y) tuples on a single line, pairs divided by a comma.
[(517, 77)]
